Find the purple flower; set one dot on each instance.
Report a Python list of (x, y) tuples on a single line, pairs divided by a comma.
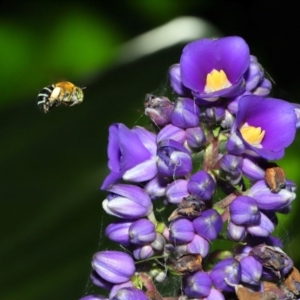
[(198, 285), (119, 232), (156, 187), (231, 166), (171, 132), (264, 228), (159, 109), (173, 159), (251, 270), (227, 270), (107, 265), (202, 185), (142, 232), (267, 200), (176, 191), (181, 231), (198, 245), (131, 153), (235, 232), (143, 252), (195, 137), (127, 202), (212, 68), (244, 211), (186, 113), (264, 127), (209, 224), (176, 82)]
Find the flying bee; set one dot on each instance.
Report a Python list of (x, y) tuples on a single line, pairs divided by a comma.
[(60, 93)]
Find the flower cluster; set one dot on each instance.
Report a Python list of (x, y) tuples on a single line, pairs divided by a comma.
[(201, 176)]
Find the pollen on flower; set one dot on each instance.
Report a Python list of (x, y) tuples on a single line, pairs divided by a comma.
[(216, 80), (252, 135)]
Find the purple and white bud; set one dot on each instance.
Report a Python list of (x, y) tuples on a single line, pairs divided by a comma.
[(263, 88), (156, 187), (119, 232), (244, 211), (175, 81), (173, 159), (195, 137), (202, 185), (159, 242), (186, 113), (158, 109), (107, 265), (143, 252), (171, 132), (130, 294), (214, 295), (127, 201), (231, 165), (228, 120), (264, 228), (209, 224), (251, 270), (297, 112), (253, 75), (227, 270), (235, 232), (158, 275), (252, 170), (100, 282), (198, 245), (235, 144), (215, 114), (176, 191), (117, 287), (267, 200), (142, 232), (181, 231), (198, 285)]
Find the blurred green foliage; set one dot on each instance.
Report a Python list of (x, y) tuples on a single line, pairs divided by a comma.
[(51, 166)]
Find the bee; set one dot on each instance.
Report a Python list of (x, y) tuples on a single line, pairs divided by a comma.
[(60, 93)]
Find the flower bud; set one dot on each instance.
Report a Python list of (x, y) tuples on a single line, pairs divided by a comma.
[(267, 200), (263, 88), (202, 185), (158, 109), (244, 211), (171, 132), (143, 252), (264, 228), (119, 232), (173, 159), (227, 270), (209, 224), (198, 285), (235, 232), (198, 245), (142, 232), (215, 114), (107, 265), (186, 113), (231, 167), (181, 231), (176, 191), (175, 81), (251, 270), (195, 137), (127, 201), (94, 297), (130, 294)]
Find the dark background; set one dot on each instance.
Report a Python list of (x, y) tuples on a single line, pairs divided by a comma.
[(51, 166)]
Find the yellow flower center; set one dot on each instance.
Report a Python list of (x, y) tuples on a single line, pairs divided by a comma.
[(252, 135), (215, 81)]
